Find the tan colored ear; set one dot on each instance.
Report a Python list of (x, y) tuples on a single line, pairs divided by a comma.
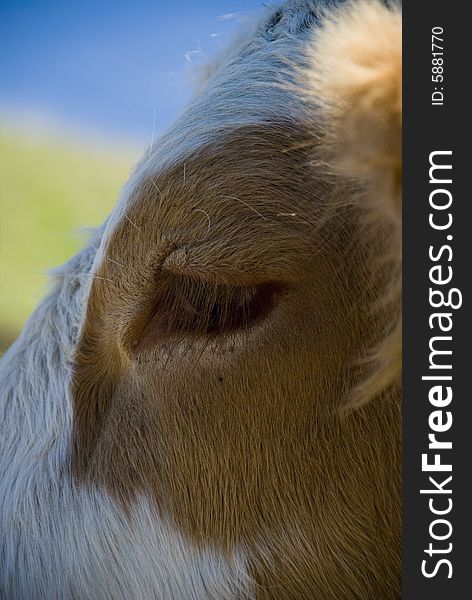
[(356, 81)]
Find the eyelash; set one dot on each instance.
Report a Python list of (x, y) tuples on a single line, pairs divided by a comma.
[(186, 306)]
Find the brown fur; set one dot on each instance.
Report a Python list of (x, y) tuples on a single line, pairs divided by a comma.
[(237, 435)]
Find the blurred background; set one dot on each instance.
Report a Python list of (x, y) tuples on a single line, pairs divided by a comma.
[(84, 88)]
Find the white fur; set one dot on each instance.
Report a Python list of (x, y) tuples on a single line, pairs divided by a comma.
[(61, 541)]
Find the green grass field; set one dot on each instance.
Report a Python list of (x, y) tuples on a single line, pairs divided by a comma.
[(49, 192)]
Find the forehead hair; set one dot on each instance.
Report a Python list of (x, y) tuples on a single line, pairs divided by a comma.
[(252, 84)]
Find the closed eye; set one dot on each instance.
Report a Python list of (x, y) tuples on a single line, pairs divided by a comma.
[(192, 307)]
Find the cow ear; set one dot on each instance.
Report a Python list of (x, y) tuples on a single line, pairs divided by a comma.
[(355, 79), (354, 83)]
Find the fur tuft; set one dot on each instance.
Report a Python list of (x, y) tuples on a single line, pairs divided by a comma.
[(355, 80)]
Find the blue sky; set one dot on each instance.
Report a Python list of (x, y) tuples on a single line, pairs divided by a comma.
[(108, 66)]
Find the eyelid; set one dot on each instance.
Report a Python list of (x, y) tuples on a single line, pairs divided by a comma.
[(237, 269), (189, 308)]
